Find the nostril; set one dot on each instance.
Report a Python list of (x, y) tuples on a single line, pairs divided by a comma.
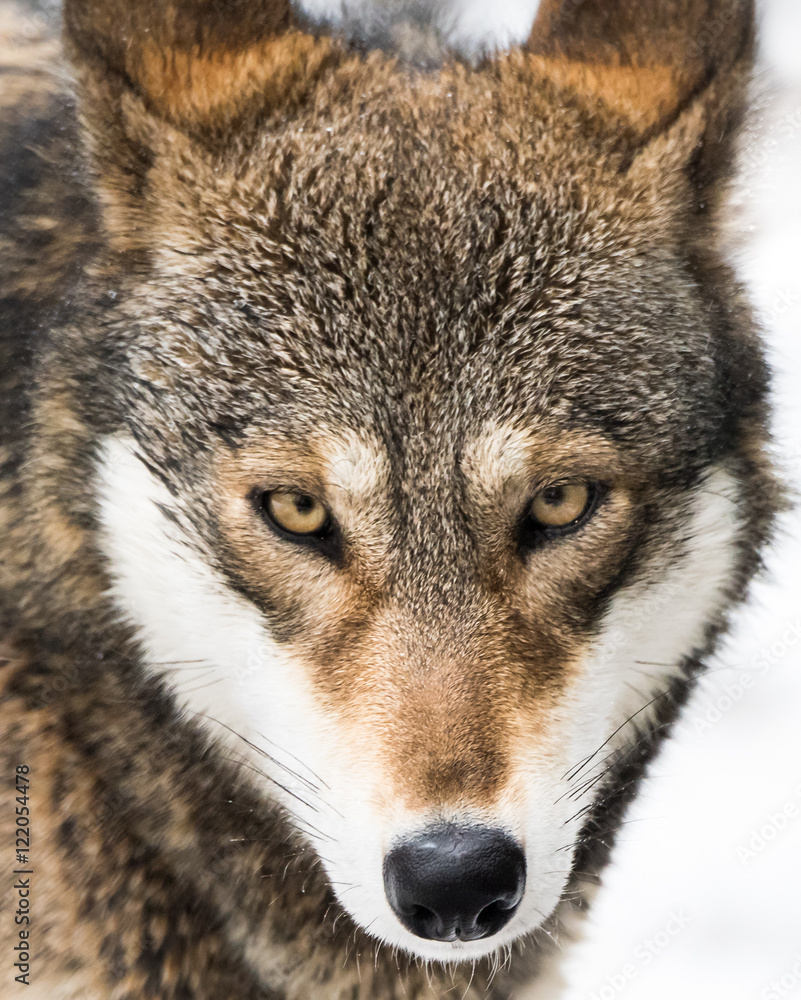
[(494, 912), (455, 882)]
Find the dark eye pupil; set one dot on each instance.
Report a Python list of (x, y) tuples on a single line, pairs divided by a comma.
[(304, 503), (554, 495)]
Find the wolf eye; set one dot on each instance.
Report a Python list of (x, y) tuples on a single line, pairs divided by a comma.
[(563, 507), (295, 512), (558, 506)]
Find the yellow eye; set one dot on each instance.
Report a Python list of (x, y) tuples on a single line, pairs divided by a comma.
[(295, 512), (559, 506)]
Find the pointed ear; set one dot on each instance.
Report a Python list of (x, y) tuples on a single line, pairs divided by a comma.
[(646, 60), (163, 79), (197, 63)]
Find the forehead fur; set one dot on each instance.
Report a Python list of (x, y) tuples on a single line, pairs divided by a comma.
[(413, 245)]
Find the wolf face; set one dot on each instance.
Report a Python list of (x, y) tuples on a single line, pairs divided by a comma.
[(427, 463)]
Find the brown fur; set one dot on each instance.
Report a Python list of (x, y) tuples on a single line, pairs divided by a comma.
[(249, 212)]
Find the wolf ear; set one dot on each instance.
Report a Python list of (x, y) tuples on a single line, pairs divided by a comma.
[(197, 63), (161, 76), (663, 66)]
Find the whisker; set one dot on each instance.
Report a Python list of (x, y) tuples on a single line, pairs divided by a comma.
[(181, 663), (263, 753), (578, 768), (297, 760), (274, 781), (200, 687), (267, 756)]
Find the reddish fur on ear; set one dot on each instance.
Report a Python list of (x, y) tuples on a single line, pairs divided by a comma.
[(197, 63), (646, 59), (170, 74)]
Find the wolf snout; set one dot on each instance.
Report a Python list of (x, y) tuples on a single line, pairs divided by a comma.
[(454, 883)]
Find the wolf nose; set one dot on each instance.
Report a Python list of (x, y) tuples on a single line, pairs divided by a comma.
[(455, 882)]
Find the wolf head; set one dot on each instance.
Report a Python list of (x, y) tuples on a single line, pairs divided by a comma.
[(431, 423)]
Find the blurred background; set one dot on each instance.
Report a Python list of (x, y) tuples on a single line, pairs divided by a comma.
[(702, 901)]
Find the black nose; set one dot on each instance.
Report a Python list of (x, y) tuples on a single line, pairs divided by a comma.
[(455, 882)]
